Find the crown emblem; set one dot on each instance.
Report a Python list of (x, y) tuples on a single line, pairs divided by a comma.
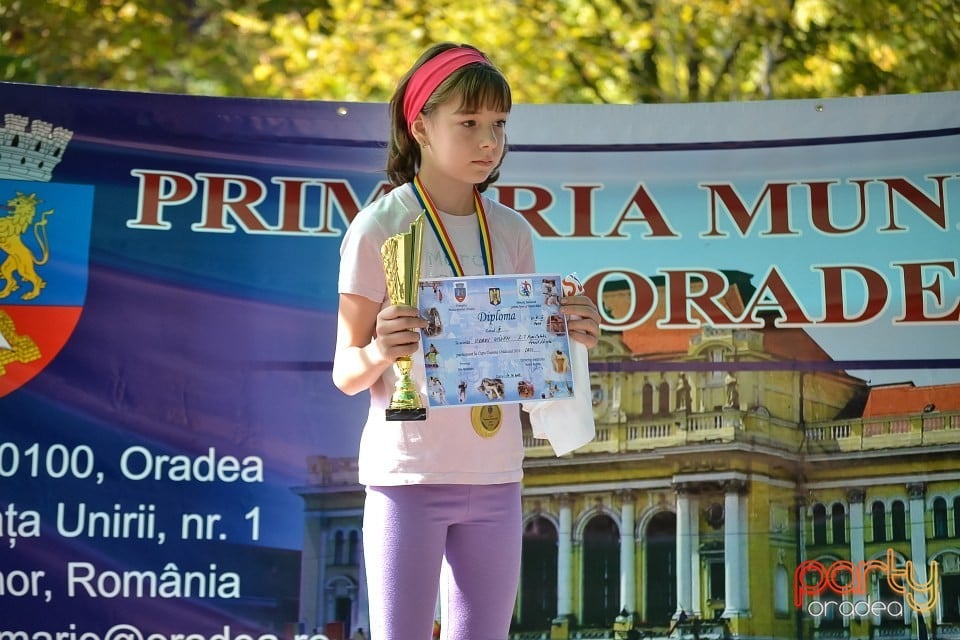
[(30, 150)]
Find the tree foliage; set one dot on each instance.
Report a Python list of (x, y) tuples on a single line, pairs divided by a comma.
[(553, 51)]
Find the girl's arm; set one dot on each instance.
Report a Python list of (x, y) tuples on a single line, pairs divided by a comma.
[(369, 340)]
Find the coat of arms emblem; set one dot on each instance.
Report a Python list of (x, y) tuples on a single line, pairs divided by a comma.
[(44, 245)]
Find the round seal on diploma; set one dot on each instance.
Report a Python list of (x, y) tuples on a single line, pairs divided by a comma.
[(486, 419)]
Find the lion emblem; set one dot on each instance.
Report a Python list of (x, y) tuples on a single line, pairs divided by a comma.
[(20, 259)]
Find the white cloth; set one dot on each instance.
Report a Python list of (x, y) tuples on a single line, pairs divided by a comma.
[(443, 449), (568, 424)]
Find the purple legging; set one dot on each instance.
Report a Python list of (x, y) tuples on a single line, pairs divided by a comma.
[(472, 531)]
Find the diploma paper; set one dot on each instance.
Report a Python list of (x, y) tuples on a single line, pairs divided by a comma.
[(494, 339)]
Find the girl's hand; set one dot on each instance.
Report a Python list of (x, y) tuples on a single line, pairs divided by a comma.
[(398, 331), (583, 319)]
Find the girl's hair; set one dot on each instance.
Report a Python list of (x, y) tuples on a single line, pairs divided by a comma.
[(476, 85)]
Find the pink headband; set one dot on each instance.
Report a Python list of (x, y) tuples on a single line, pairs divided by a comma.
[(431, 73)]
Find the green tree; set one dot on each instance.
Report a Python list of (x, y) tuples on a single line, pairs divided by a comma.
[(555, 51)]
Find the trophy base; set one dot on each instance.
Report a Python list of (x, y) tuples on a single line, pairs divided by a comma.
[(404, 415)]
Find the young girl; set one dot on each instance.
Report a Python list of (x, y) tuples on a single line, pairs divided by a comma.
[(443, 495)]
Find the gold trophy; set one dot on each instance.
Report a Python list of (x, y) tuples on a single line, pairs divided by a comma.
[(401, 266)]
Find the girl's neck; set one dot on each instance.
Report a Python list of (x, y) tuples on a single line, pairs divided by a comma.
[(448, 195)]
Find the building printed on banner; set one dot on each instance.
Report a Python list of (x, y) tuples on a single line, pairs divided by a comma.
[(731, 491), (44, 246)]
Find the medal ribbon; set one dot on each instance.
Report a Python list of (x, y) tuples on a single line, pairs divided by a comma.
[(433, 217)]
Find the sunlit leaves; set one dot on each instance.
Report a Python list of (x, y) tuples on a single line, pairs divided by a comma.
[(555, 51)]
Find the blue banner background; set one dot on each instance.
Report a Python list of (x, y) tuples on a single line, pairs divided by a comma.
[(192, 341)]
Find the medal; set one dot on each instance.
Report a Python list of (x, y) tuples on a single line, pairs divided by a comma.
[(486, 419)]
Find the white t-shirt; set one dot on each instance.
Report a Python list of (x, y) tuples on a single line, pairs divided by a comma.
[(444, 448)]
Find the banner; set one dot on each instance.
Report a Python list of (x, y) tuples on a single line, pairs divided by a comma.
[(168, 309)]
